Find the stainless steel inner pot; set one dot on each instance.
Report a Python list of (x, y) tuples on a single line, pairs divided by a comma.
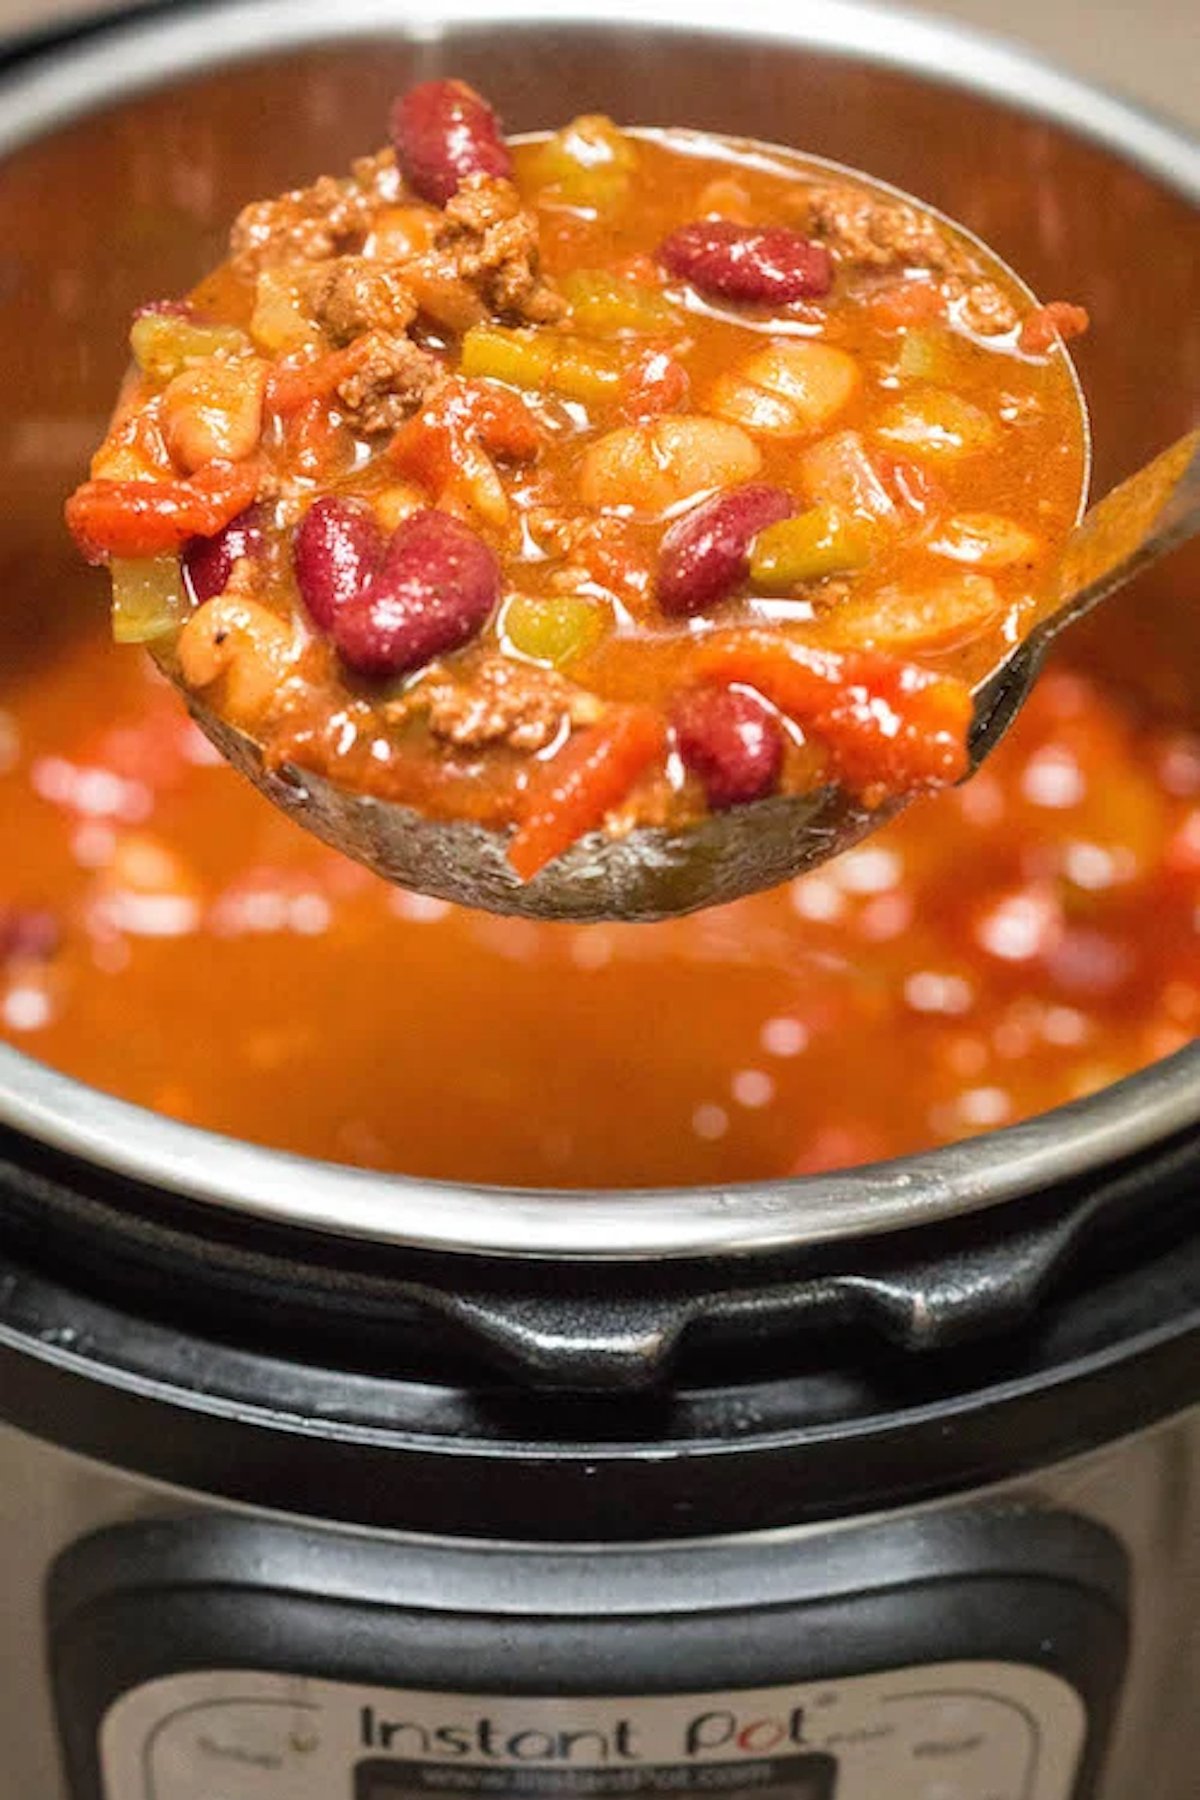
[(124, 160)]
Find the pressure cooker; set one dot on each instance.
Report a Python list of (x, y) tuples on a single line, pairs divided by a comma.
[(884, 1485)]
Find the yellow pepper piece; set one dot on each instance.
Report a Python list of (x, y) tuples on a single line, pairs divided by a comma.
[(605, 305), (542, 361), (554, 630), (819, 542), (589, 163)]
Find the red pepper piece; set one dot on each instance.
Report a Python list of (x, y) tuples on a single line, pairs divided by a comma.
[(890, 728), (570, 794), (153, 518)]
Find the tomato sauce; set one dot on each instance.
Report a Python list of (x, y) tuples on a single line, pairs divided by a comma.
[(167, 936)]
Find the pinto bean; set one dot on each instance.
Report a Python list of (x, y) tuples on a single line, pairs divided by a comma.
[(763, 265), (731, 741), (338, 546), (653, 467), (443, 131), (242, 644), (433, 592), (706, 553), (214, 412), (787, 389)]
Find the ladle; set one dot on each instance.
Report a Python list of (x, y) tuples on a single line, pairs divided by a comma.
[(653, 873)]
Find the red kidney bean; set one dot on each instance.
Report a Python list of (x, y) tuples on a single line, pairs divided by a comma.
[(769, 264), (337, 549), (444, 131), (434, 590), (731, 742), (706, 554), (208, 562), (28, 934)]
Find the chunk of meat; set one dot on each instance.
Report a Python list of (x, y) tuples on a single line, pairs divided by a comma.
[(982, 306), (492, 242), (872, 233), (505, 702), (314, 223), (388, 382), (358, 294)]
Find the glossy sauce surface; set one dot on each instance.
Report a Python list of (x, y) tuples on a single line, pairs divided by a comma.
[(166, 936)]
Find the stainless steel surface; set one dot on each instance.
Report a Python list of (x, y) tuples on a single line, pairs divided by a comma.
[(648, 874), (1148, 516), (1060, 179), (1144, 1490)]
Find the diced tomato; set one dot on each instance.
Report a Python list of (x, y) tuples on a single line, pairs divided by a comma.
[(655, 383), (889, 727), (1047, 325), (570, 794), (431, 446), (291, 386), (506, 426), (907, 303), (154, 518), (317, 444)]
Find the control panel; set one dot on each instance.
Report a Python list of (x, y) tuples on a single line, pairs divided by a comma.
[(974, 1655), (951, 1731)]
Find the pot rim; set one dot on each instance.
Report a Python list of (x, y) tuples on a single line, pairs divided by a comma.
[(135, 54)]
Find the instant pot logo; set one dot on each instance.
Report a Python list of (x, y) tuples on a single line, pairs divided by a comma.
[(710, 1732)]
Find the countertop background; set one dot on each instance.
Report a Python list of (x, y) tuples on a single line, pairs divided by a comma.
[(1147, 49)]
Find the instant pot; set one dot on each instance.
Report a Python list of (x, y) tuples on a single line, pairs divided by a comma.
[(317, 1485)]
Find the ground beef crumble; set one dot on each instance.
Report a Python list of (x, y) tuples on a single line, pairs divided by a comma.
[(358, 294), (871, 233), (493, 243), (314, 223), (502, 702), (389, 383)]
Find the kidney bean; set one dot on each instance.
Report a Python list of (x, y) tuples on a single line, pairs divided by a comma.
[(208, 562), (28, 934), (731, 742), (768, 264), (444, 131), (705, 554), (432, 593), (337, 549)]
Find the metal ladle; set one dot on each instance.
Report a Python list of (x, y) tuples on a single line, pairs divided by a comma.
[(654, 873)]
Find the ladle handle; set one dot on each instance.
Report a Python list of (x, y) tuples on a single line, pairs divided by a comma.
[(1144, 518), (1149, 515)]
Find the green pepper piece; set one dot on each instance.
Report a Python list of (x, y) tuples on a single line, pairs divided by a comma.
[(148, 599), (819, 542), (927, 354), (164, 344)]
